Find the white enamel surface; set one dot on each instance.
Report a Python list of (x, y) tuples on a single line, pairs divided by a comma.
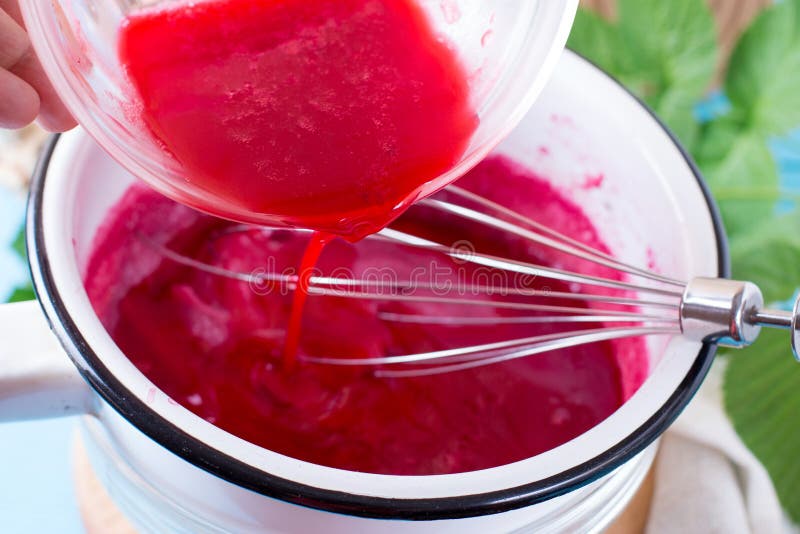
[(653, 186), (162, 493), (36, 379)]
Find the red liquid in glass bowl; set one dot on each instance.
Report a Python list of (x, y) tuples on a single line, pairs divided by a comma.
[(215, 345), (324, 114)]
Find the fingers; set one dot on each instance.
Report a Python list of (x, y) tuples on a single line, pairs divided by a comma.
[(19, 102), (25, 75), (14, 42), (12, 8), (53, 116)]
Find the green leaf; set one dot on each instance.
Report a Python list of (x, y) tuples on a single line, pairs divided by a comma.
[(22, 293), (745, 182), (762, 397), (596, 39), (673, 42), (676, 108), (665, 52), (769, 255), (715, 141), (19, 244), (764, 75), (25, 292)]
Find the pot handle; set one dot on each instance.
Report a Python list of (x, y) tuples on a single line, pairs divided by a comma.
[(37, 379)]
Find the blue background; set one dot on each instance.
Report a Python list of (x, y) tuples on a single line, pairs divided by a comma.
[(36, 493)]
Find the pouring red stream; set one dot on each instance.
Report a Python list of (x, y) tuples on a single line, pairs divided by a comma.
[(309, 260)]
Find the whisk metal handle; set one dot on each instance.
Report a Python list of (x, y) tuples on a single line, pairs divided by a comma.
[(731, 313), (785, 320)]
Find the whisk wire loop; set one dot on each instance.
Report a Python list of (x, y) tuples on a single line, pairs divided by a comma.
[(704, 309)]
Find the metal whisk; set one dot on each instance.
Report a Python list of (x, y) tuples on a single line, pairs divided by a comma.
[(726, 312)]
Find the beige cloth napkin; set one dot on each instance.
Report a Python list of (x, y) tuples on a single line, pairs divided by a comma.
[(707, 481)]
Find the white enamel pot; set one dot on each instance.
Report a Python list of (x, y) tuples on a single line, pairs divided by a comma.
[(171, 471)]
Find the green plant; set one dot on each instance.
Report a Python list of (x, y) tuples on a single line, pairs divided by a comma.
[(24, 292), (666, 53)]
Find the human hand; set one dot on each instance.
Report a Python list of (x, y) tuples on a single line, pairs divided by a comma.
[(25, 92)]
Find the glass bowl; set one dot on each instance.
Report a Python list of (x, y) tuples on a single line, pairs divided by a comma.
[(508, 49)]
